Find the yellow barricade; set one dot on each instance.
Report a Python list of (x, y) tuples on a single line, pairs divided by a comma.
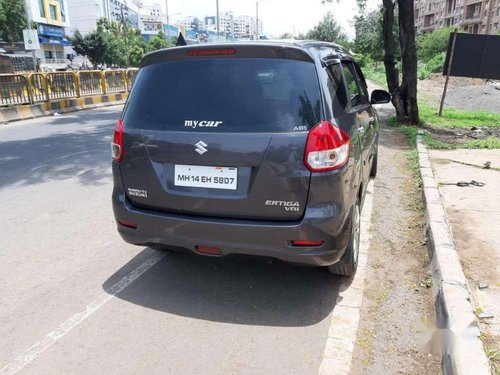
[(14, 89), (17, 89), (90, 82)]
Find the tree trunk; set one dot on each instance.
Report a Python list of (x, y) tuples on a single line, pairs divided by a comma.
[(391, 72), (404, 97), (409, 58)]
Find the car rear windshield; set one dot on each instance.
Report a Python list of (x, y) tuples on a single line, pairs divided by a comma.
[(225, 95)]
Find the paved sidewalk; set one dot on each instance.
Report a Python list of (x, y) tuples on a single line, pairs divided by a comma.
[(474, 216)]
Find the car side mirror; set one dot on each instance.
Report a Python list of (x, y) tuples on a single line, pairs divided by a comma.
[(380, 97)]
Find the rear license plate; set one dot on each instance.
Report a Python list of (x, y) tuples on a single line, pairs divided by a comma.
[(206, 177)]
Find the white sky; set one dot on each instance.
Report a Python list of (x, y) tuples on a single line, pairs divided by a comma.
[(278, 16)]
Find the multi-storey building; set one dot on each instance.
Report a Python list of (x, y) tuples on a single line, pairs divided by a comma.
[(52, 18), (473, 16), (239, 26), (150, 20), (85, 13)]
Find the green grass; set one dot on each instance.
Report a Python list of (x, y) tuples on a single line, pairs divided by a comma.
[(411, 133), (453, 118), (412, 156), (375, 74)]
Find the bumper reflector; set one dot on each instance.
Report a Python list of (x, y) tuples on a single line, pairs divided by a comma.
[(127, 224), (307, 243), (208, 250)]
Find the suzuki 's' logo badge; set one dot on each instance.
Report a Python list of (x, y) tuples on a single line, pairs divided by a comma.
[(200, 147)]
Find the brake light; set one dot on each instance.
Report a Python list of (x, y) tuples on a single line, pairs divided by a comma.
[(327, 148), (307, 242), (117, 144), (211, 52)]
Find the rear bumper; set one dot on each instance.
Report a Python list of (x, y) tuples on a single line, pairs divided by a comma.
[(258, 238)]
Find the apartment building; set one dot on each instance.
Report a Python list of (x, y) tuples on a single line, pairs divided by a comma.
[(52, 19), (85, 13), (150, 19), (239, 26), (473, 16)]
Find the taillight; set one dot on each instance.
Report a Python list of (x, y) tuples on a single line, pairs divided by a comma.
[(327, 148), (117, 144)]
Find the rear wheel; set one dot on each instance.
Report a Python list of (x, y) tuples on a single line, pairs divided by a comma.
[(349, 262)]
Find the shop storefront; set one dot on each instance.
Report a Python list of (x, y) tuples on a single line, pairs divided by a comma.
[(52, 42)]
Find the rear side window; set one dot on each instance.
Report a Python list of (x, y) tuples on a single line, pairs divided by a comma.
[(225, 95), (354, 88)]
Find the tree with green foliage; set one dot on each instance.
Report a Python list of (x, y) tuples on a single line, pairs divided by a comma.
[(94, 45), (368, 39), (328, 30), (404, 93), (286, 36), (112, 43), (12, 20), (431, 44), (157, 42)]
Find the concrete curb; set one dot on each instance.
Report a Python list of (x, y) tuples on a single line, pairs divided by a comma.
[(463, 352), (26, 112), (339, 348)]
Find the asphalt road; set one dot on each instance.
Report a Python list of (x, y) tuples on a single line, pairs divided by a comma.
[(76, 299)]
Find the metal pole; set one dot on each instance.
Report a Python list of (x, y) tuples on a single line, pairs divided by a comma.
[(448, 71), (28, 18), (256, 20), (124, 31), (168, 22), (218, 19)]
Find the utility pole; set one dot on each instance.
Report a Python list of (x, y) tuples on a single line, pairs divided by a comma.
[(28, 18), (124, 31), (168, 21), (257, 20), (218, 21)]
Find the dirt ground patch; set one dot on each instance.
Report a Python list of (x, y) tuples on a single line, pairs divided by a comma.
[(469, 94), (398, 295), (461, 135)]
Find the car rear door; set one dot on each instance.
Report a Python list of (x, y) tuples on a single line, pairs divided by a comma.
[(364, 116), (221, 136)]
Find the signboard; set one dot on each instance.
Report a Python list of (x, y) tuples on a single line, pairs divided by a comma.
[(474, 56), (47, 30), (30, 40)]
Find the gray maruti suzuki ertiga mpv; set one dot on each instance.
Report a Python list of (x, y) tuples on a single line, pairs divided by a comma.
[(250, 148)]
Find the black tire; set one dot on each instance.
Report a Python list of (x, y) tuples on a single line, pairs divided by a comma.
[(373, 170), (348, 264)]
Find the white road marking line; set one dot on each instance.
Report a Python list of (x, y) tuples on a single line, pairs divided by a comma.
[(337, 357), (36, 350)]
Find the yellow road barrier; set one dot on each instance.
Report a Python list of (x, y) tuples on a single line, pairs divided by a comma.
[(19, 89)]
